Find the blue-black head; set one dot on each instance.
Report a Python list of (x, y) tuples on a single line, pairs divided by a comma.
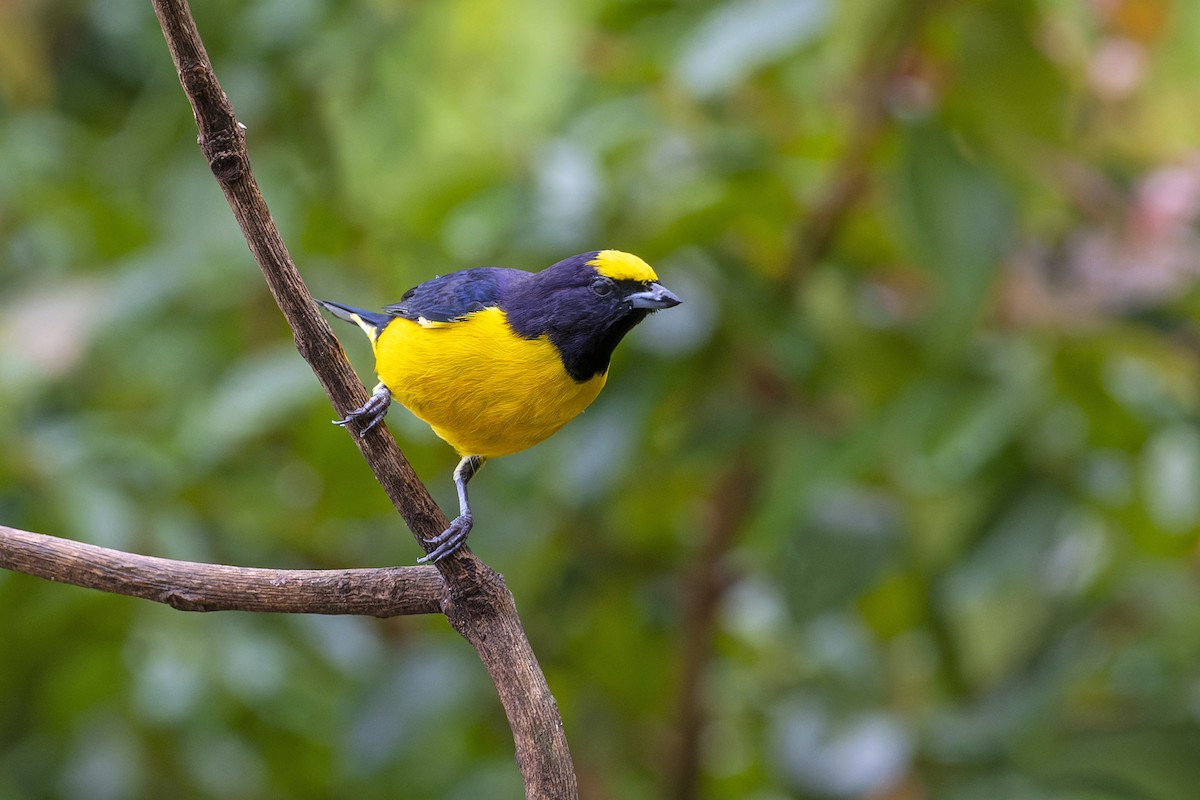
[(586, 304)]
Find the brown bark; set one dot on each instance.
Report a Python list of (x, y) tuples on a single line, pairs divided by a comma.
[(191, 586), (473, 596)]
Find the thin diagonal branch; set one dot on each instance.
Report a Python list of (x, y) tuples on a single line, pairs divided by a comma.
[(223, 143), (478, 604), (192, 586)]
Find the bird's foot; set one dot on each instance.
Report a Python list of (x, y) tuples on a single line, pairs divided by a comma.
[(449, 540), (371, 413)]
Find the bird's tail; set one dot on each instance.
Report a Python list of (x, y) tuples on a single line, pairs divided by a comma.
[(370, 322)]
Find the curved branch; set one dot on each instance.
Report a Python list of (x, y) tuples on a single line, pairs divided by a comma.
[(192, 586), (479, 605)]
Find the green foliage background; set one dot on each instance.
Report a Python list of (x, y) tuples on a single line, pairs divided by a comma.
[(931, 401)]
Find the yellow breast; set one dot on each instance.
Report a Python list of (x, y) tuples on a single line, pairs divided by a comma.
[(483, 389)]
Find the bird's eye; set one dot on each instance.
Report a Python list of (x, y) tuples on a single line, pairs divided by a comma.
[(602, 286)]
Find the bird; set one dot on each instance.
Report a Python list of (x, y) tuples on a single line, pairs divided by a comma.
[(496, 360)]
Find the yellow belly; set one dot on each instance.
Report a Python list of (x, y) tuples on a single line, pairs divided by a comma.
[(483, 389)]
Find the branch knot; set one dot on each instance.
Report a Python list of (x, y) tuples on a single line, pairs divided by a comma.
[(225, 150)]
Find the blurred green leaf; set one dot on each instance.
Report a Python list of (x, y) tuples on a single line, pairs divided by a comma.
[(959, 220)]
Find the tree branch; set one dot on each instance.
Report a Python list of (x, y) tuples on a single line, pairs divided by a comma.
[(479, 605), (707, 582), (191, 586), (223, 142), (473, 596)]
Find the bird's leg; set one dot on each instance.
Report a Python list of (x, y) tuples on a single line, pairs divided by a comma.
[(371, 413), (455, 536)]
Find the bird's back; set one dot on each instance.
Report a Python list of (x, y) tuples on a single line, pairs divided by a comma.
[(447, 298)]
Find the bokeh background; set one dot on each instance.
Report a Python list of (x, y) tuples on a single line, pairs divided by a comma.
[(902, 503)]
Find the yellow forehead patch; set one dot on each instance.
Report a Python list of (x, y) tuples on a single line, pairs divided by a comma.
[(622, 266)]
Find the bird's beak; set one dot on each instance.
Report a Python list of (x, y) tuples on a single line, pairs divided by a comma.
[(655, 297)]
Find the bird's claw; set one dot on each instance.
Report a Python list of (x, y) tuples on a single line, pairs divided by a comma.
[(449, 540), (370, 413)]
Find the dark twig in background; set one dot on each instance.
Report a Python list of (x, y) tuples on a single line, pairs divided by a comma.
[(870, 119), (833, 202), (706, 585)]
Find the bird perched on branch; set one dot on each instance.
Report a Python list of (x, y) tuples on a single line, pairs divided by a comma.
[(496, 360)]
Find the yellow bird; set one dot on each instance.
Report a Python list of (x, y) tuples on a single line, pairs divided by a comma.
[(496, 360)]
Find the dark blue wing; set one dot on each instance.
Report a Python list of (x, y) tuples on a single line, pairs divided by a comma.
[(452, 297)]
